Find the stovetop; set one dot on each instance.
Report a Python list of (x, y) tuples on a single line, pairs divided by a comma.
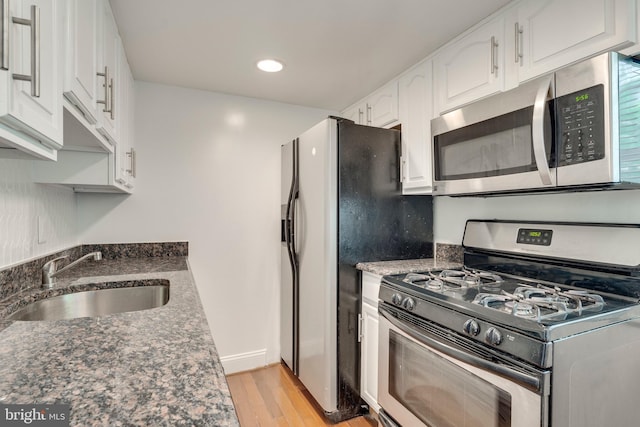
[(520, 297), (532, 307)]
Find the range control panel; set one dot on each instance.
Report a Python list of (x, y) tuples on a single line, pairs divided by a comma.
[(580, 122), (532, 236)]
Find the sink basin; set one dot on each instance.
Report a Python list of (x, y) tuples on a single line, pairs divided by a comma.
[(94, 303)]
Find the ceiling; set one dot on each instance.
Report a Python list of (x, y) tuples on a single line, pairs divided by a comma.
[(335, 51)]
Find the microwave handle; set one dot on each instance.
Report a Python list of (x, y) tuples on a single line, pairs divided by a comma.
[(537, 132)]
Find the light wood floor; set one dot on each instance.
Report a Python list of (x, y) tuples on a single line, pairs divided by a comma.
[(273, 397)]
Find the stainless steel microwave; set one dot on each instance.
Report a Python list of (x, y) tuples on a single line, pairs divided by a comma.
[(576, 128)]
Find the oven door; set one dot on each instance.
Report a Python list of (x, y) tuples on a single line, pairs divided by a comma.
[(426, 381), (502, 143)]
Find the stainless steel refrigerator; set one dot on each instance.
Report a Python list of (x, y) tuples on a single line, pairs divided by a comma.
[(341, 204)]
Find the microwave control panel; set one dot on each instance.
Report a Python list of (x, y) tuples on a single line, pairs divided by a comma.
[(580, 123)]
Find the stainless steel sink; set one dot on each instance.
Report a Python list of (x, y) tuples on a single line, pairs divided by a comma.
[(94, 303)]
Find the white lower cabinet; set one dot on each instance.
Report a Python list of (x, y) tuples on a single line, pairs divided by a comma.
[(369, 340)]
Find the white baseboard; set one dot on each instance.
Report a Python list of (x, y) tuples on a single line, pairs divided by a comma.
[(244, 361)]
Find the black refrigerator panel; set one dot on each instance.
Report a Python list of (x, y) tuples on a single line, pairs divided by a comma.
[(375, 223)]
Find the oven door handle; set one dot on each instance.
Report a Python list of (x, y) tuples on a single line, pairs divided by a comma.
[(537, 132), (529, 381)]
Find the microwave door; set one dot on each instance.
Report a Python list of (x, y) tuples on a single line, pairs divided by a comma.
[(500, 144)]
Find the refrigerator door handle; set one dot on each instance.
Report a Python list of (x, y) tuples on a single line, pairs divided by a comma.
[(290, 238)]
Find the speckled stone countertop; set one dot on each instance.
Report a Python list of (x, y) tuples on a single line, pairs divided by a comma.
[(405, 266), (155, 367), (446, 256)]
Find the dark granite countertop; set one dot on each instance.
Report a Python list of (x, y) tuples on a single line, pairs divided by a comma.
[(154, 367), (383, 268)]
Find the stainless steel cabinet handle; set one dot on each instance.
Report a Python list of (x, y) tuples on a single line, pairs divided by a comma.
[(518, 37), (4, 34), (34, 23), (108, 81), (132, 162), (112, 97), (368, 114), (494, 46), (360, 116), (537, 132)]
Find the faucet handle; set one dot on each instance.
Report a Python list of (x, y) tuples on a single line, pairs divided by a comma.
[(49, 268), (51, 265)]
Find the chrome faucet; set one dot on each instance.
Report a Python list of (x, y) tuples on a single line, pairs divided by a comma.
[(49, 270)]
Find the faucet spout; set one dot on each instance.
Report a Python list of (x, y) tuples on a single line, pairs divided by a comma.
[(49, 270)]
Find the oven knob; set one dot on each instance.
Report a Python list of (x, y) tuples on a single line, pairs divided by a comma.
[(396, 299), (471, 327), (493, 336), (409, 303)]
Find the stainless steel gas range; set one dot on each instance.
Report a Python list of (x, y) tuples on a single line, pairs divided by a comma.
[(539, 328)]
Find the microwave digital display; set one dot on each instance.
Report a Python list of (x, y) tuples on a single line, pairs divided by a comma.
[(580, 120)]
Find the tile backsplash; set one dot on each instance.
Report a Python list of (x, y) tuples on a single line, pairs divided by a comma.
[(35, 219)]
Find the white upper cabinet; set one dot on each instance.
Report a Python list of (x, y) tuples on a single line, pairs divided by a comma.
[(81, 64), (109, 46), (31, 77), (471, 67), (416, 112), (356, 113), (379, 109), (125, 153), (382, 105), (549, 34)]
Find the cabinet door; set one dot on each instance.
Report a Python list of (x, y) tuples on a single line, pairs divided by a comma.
[(356, 113), (81, 64), (38, 115), (125, 157), (382, 105), (416, 112), (108, 57), (555, 33), (470, 68), (369, 342), (369, 360)]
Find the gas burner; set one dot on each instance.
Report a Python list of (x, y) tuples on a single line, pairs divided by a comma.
[(523, 309), (425, 281), (435, 284)]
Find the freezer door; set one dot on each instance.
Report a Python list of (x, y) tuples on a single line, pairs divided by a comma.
[(287, 344), (317, 243)]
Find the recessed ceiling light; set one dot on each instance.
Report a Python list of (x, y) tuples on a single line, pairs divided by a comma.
[(270, 65)]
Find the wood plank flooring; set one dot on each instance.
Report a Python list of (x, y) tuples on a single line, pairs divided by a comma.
[(271, 396)]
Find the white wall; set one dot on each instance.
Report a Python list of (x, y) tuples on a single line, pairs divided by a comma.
[(450, 214), (24, 206), (209, 173)]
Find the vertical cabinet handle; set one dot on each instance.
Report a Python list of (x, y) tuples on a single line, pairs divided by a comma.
[(34, 23), (494, 62), (360, 116), (368, 114), (108, 92), (112, 97), (518, 36), (132, 162), (4, 34)]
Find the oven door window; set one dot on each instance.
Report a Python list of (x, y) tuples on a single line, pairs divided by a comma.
[(501, 145), (440, 393)]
